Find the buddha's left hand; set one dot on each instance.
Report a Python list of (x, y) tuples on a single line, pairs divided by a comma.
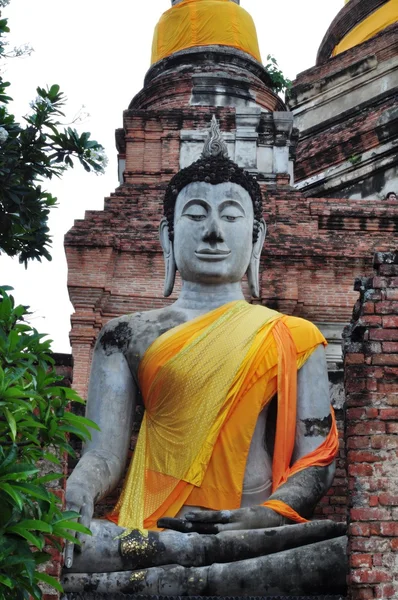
[(215, 521)]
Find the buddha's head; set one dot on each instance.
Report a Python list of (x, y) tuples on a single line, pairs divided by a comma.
[(213, 229)]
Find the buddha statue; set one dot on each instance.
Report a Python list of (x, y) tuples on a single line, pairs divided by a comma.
[(238, 439)]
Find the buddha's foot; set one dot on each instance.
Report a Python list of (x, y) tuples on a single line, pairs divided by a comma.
[(318, 568)]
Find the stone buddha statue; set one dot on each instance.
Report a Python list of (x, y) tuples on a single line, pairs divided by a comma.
[(238, 440)]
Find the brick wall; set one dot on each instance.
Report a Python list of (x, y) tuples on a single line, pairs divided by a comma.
[(348, 138), (347, 107), (371, 383), (383, 46)]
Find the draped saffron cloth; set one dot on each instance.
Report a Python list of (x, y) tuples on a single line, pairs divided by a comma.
[(193, 23), (204, 384)]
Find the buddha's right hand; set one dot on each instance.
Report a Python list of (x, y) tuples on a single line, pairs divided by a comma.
[(79, 499)]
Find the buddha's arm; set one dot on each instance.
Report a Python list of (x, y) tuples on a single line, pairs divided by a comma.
[(303, 490), (111, 404)]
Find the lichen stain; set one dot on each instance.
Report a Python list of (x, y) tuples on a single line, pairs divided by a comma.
[(116, 339), (315, 427)]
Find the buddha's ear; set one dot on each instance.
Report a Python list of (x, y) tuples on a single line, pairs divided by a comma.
[(253, 272), (168, 255)]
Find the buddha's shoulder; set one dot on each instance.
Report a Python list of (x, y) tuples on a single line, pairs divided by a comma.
[(299, 323), (304, 333), (136, 331)]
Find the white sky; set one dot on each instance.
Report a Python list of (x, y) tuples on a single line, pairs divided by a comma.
[(99, 52)]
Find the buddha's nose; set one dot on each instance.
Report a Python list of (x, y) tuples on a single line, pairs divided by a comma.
[(213, 233)]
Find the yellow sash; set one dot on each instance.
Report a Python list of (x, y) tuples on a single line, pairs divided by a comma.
[(373, 24), (204, 384)]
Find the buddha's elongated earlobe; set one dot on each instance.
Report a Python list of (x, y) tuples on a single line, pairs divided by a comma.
[(168, 255), (253, 272)]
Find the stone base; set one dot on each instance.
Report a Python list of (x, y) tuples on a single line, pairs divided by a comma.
[(118, 596)]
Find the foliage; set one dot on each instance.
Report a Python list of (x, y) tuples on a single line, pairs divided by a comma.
[(279, 82), (34, 427), (29, 154), (354, 159)]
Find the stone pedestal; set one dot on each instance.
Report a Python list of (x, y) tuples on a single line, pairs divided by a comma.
[(117, 596)]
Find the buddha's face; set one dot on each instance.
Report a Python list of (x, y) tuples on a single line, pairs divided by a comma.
[(213, 232)]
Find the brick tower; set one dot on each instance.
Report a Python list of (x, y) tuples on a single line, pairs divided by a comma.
[(346, 106)]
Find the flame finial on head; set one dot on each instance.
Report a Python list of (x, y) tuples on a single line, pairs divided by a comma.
[(215, 145)]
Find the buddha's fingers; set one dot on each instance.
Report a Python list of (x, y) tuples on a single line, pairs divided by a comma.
[(211, 516), (216, 521), (86, 513), (70, 546), (207, 521), (186, 527), (68, 554)]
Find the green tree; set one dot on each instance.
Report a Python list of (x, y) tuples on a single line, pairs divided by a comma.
[(34, 427), (31, 153), (279, 82), (35, 422)]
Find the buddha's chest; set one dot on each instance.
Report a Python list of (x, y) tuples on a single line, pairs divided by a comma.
[(148, 327)]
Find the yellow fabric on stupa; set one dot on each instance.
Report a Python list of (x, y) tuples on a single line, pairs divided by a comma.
[(373, 24), (204, 23), (204, 383)]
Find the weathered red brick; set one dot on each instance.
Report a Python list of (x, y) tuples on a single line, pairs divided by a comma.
[(390, 320), (390, 346), (388, 414), (360, 560), (355, 359), (384, 334), (365, 575)]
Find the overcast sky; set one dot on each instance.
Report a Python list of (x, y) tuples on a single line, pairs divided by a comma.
[(99, 52)]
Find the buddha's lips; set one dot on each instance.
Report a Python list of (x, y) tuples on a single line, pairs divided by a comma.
[(212, 254)]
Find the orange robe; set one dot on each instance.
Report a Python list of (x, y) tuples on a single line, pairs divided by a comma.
[(204, 384)]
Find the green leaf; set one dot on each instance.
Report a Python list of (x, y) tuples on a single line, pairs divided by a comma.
[(49, 477), (51, 458), (12, 423), (8, 489), (32, 525), (54, 90), (29, 536), (66, 515), (10, 458), (48, 579), (80, 432), (66, 536), (18, 471), (78, 420), (70, 525), (41, 557), (33, 490), (6, 581)]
